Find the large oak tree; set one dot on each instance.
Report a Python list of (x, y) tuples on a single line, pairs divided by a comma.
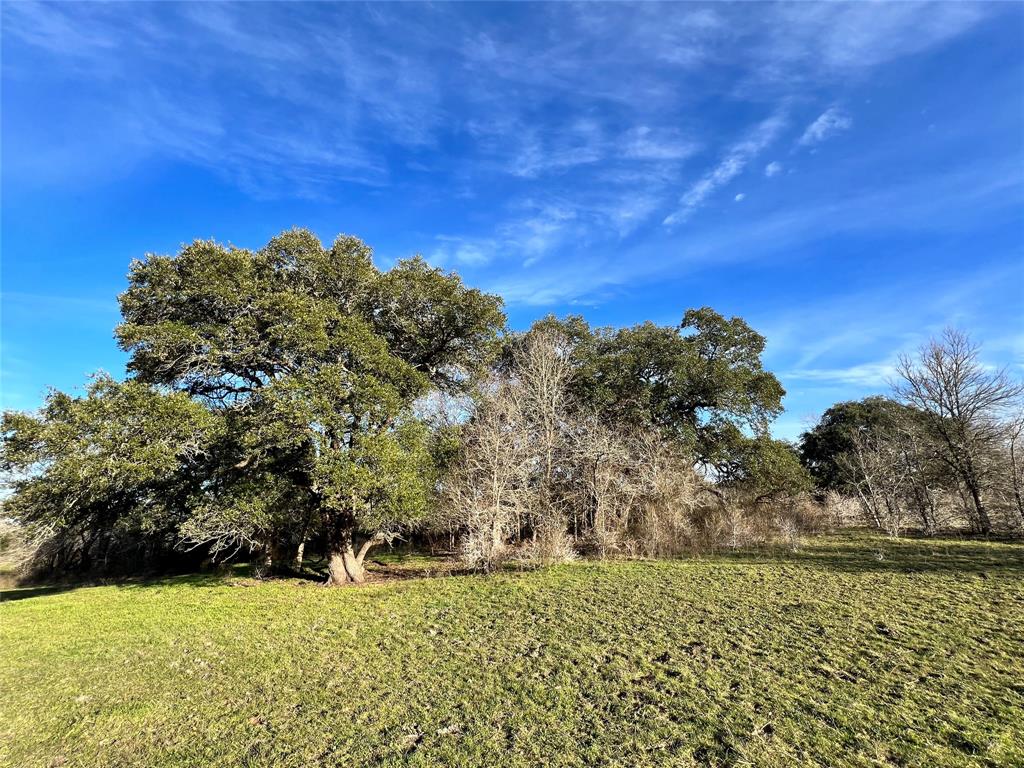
[(313, 357)]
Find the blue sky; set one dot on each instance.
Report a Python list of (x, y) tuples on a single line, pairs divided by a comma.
[(848, 178)]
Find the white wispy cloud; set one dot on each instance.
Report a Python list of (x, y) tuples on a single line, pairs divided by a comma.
[(830, 122), (558, 284), (360, 82), (626, 214), (868, 375), (537, 233), (533, 231), (774, 168), (645, 143), (221, 82), (923, 205), (463, 251), (580, 143), (731, 166), (537, 151), (830, 40)]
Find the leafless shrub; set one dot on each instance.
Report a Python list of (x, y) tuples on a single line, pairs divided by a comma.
[(486, 494), (725, 522), (1004, 465), (595, 484), (789, 534), (550, 546), (17, 546), (27, 551), (808, 515), (668, 490), (637, 491), (843, 511), (1015, 456)]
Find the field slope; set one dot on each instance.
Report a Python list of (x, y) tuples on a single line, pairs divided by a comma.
[(853, 651)]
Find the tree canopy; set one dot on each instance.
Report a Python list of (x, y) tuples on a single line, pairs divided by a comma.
[(274, 396), (271, 395), (315, 358), (701, 382), (822, 447), (110, 468)]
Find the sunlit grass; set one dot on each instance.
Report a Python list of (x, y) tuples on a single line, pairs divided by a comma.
[(854, 651)]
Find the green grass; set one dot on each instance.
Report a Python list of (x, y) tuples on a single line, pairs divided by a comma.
[(854, 651)]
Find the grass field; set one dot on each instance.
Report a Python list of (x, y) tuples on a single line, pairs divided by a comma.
[(855, 650)]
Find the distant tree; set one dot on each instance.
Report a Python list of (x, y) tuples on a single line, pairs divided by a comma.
[(835, 434), (702, 382), (886, 445), (98, 477), (314, 359), (966, 404)]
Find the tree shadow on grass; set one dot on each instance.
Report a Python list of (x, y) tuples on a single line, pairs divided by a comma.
[(229, 574), (44, 588), (848, 552), (23, 593), (879, 554), (312, 573)]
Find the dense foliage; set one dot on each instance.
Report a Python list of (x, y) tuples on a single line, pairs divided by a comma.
[(298, 394), (108, 473), (302, 363)]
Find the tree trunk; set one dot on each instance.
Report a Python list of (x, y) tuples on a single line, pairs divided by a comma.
[(275, 556), (345, 564), (497, 541), (984, 523)]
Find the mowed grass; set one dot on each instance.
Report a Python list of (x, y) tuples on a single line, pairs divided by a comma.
[(855, 650)]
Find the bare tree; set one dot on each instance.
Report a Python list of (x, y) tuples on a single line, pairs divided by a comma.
[(633, 489), (538, 477), (916, 456), (965, 402), (667, 493), (1015, 448), (542, 372), (598, 484), (484, 492), (510, 478), (875, 468)]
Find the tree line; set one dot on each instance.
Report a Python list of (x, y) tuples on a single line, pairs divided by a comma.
[(945, 450), (296, 398)]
